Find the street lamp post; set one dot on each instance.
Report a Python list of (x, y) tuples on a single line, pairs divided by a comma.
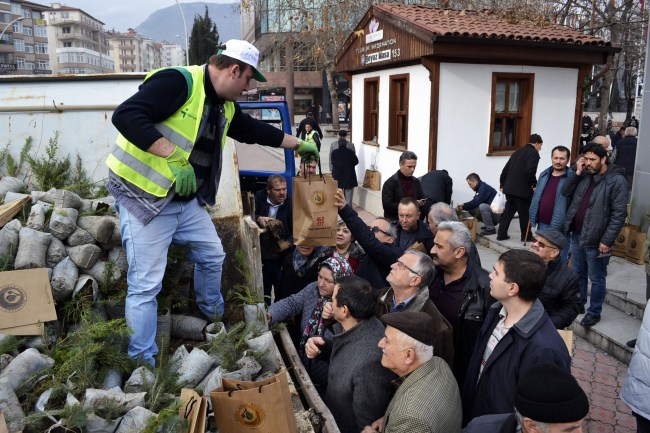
[(20, 19), (187, 45)]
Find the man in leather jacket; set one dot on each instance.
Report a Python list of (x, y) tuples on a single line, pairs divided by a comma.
[(595, 216), (460, 290)]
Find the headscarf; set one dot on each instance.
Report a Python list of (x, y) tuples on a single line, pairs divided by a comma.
[(302, 264), (314, 328)]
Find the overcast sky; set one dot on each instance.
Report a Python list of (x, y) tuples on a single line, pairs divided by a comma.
[(122, 14)]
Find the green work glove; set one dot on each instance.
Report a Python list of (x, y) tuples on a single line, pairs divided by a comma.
[(307, 151), (183, 171)]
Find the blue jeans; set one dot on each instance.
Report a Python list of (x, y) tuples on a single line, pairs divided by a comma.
[(181, 223), (565, 251), (585, 263)]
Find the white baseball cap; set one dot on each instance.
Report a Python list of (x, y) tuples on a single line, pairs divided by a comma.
[(245, 52)]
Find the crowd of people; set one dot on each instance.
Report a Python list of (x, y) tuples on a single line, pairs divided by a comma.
[(398, 325), (475, 337)]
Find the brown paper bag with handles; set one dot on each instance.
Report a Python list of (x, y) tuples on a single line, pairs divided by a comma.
[(194, 409), (262, 406), (314, 213), (619, 249), (636, 241)]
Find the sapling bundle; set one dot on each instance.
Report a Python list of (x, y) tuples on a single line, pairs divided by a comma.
[(66, 199), (194, 367), (188, 327), (139, 380), (32, 249), (25, 367), (64, 278), (100, 227), (135, 421), (84, 256), (80, 237), (265, 344), (9, 236), (63, 222), (36, 219), (10, 184), (55, 253)]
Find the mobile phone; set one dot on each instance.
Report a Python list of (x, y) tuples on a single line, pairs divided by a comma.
[(603, 255)]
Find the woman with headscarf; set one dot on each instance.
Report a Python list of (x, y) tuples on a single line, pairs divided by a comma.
[(300, 269), (310, 301), (346, 247)]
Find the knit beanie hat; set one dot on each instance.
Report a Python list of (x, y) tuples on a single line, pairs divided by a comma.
[(549, 394)]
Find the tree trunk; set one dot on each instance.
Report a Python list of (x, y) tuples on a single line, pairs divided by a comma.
[(289, 90), (605, 95), (334, 94)]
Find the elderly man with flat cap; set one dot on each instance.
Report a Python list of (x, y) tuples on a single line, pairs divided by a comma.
[(547, 400), (561, 293), (427, 397)]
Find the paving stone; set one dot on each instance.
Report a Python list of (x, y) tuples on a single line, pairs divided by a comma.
[(626, 420), (604, 402), (603, 415), (606, 379)]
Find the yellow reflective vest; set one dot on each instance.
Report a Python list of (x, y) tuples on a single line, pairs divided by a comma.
[(150, 172)]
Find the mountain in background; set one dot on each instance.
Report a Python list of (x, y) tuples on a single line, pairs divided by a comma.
[(165, 24)]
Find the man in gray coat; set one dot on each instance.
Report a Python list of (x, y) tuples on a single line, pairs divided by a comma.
[(359, 388), (427, 398)]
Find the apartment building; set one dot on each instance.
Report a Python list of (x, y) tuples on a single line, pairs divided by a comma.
[(173, 54), (78, 43), (23, 38), (134, 53)]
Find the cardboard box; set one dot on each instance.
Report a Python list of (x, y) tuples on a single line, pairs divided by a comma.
[(25, 300)]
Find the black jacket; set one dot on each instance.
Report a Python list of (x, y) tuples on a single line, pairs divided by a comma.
[(626, 154), (424, 236), (561, 294), (531, 341), (284, 214), (519, 174), (607, 210), (437, 187), (392, 193), (472, 310), (375, 266), (343, 162)]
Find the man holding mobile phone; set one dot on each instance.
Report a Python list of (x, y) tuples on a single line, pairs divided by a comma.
[(594, 218)]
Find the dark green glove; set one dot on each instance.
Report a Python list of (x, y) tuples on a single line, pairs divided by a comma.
[(307, 151), (183, 172)]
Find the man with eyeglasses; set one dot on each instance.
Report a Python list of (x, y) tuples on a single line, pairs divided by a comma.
[(409, 280), (561, 293), (376, 239), (460, 289)]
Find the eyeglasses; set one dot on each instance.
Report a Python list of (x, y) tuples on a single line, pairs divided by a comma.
[(402, 266), (543, 245), (376, 229)]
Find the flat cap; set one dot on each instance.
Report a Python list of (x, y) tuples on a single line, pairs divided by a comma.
[(553, 236), (415, 324)]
